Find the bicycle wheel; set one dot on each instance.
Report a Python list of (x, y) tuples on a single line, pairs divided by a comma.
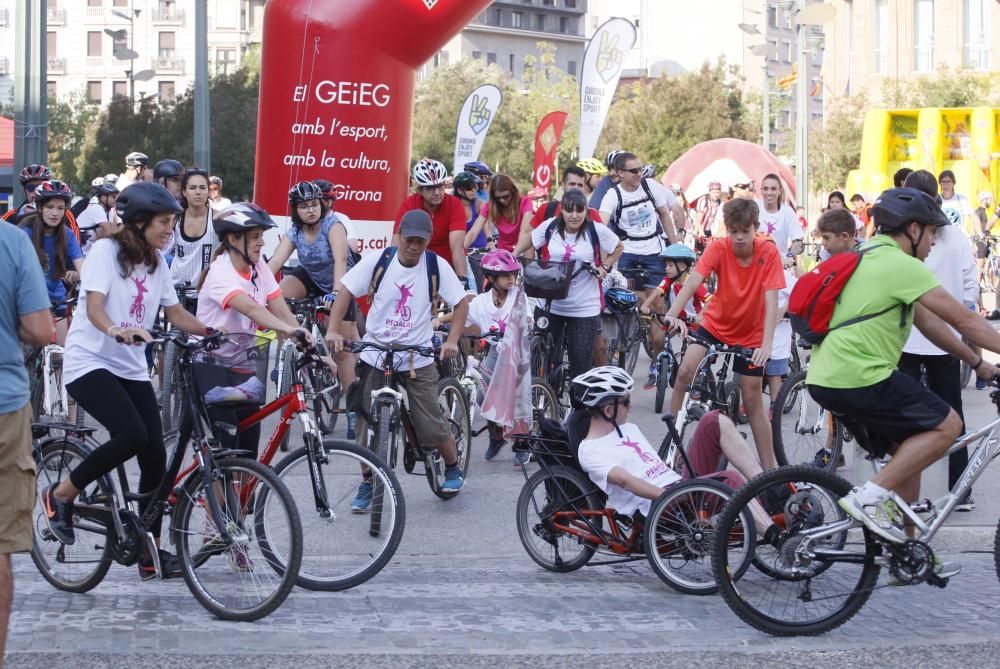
[(455, 408), (808, 586), (628, 358), (324, 390), (544, 403), (539, 358), (680, 531), (547, 520), (285, 378), (382, 443), (663, 370), (803, 431), (251, 575), (170, 397), (339, 552), (966, 370), (80, 567), (993, 274)]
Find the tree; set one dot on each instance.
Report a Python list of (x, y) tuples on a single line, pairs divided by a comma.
[(948, 87), (69, 121), (835, 146)]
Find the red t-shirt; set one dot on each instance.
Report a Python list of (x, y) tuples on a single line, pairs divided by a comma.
[(540, 216), (448, 217), (735, 315), (694, 306)]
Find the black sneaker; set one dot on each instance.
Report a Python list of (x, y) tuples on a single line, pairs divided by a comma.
[(59, 517), (773, 499), (822, 458), (494, 448), (169, 563)]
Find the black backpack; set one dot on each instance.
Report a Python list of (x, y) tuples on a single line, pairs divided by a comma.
[(617, 215), (433, 273)]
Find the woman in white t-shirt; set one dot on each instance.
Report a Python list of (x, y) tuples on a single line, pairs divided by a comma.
[(571, 237), (124, 283), (779, 220), (241, 295), (195, 240)]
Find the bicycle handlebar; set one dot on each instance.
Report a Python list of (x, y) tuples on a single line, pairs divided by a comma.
[(741, 351), (360, 346)]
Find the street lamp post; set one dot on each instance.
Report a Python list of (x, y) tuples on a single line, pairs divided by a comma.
[(807, 15), (130, 17), (766, 52)]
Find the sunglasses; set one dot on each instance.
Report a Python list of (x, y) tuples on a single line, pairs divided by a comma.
[(568, 210), (431, 189), (194, 171), (631, 170)]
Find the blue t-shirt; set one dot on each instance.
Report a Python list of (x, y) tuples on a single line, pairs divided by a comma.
[(600, 190), (22, 291), (316, 258), (57, 289), (480, 241)]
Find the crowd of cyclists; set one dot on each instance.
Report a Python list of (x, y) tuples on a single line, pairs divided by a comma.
[(716, 272)]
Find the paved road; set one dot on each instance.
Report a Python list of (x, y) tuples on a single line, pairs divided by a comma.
[(461, 589)]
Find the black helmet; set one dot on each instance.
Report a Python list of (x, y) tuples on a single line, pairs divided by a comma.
[(466, 179), (167, 168), (326, 187), (304, 191), (106, 189), (898, 207), (241, 217), (145, 198)]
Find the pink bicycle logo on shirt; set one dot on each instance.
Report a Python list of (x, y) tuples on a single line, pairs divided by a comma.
[(138, 309), (402, 310)]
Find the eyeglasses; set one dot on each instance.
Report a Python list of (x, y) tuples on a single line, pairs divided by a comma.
[(309, 206), (431, 189), (631, 170)]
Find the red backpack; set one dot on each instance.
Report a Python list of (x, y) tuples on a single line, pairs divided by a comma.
[(815, 295)]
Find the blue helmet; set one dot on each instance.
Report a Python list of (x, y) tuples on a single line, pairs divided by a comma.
[(620, 300), (679, 252), (478, 168)]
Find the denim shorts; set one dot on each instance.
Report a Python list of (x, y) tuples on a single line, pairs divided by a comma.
[(653, 265), (777, 367)]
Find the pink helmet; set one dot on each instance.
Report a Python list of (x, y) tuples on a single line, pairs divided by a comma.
[(499, 261)]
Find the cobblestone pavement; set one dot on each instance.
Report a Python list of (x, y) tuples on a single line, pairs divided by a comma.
[(461, 590)]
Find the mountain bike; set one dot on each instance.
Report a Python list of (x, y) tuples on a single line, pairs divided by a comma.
[(169, 376), (233, 521), (824, 565), (624, 332), (322, 386)]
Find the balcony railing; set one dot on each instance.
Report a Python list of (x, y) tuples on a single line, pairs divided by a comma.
[(94, 61), (57, 66), (168, 15), (167, 64), (977, 56), (55, 16)]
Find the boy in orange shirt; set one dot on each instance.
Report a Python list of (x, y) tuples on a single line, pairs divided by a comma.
[(743, 312)]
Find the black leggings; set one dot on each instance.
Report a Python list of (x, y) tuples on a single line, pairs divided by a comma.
[(129, 412), (577, 334)]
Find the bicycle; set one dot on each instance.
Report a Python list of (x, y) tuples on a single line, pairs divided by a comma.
[(992, 268), (226, 505), (389, 418), (822, 559), (666, 365), (322, 386), (802, 430), (44, 365), (624, 333), (340, 551), (638, 279), (169, 377)]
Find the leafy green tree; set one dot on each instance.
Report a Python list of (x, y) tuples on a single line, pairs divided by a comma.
[(69, 120), (948, 87), (835, 147)]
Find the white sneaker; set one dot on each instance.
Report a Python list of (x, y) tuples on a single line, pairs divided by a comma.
[(884, 517)]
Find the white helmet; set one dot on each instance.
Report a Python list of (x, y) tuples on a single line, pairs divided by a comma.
[(429, 172), (600, 384), (985, 196), (99, 181)]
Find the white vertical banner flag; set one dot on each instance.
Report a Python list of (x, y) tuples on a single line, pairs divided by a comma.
[(602, 67), (478, 112)]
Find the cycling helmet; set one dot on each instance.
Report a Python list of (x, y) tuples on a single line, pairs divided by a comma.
[(592, 166), (620, 300), (648, 171), (478, 168), (898, 207), (466, 179), (34, 172), (304, 191), (111, 178), (429, 172), (167, 168), (679, 252), (326, 188), (609, 160), (136, 159), (144, 199), (215, 181), (601, 384), (240, 217), (99, 181), (499, 261), (51, 189), (985, 196), (106, 189)]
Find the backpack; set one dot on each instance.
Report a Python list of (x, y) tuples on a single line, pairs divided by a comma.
[(433, 274), (617, 215), (815, 296)]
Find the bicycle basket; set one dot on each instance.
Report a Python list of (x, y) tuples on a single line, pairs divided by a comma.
[(234, 373), (547, 280)]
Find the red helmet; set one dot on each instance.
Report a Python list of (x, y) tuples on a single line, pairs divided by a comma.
[(34, 172), (53, 188)]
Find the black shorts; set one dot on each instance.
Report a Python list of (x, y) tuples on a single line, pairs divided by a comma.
[(741, 365), (312, 290), (891, 411)]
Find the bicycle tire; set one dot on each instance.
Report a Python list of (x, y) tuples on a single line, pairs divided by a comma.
[(170, 400), (53, 451), (271, 559), (681, 521), (457, 415), (326, 391), (544, 403), (793, 391), (339, 484), (285, 354), (628, 358), (662, 383), (730, 586), (563, 488), (993, 276), (996, 550), (384, 437)]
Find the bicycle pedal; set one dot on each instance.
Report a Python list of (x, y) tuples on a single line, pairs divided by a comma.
[(937, 581)]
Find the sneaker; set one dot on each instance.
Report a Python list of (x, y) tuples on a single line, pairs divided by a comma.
[(941, 570), (884, 518), (352, 423), (169, 564), (521, 459), (274, 376), (651, 380), (967, 503), (773, 499), (364, 498), (980, 384), (59, 517), (239, 561), (822, 458), (453, 479), (494, 448)]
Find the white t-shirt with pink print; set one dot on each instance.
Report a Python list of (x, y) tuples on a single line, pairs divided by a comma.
[(584, 297), (222, 283), (131, 301)]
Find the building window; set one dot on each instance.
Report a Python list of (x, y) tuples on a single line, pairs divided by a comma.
[(225, 61), (94, 91), (119, 89), (497, 17), (881, 36), (167, 43), (50, 45), (923, 35), (540, 22), (440, 59), (571, 4), (121, 3), (477, 55), (548, 3), (772, 16), (563, 24), (512, 64), (118, 45), (94, 44), (571, 68), (166, 91), (491, 59), (94, 3), (977, 46), (50, 89), (786, 52), (516, 19)]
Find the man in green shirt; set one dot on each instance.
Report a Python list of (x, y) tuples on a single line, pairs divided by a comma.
[(853, 371)]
